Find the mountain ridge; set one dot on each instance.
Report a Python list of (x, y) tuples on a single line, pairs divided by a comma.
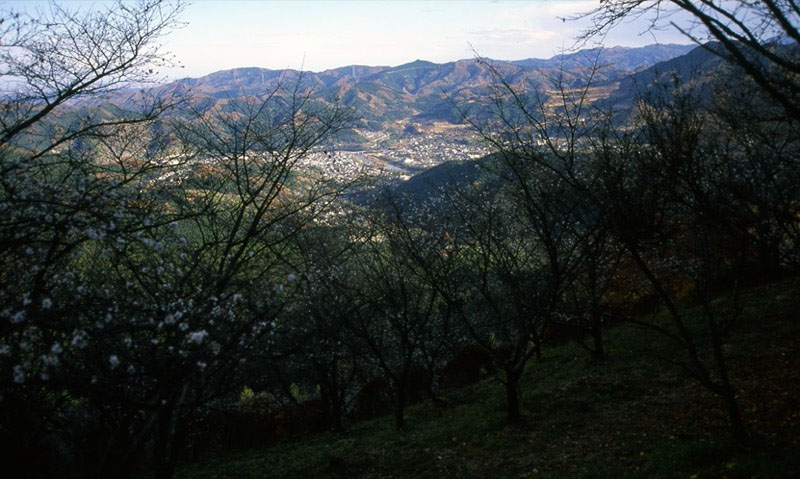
[(383, 97), (678, 49)]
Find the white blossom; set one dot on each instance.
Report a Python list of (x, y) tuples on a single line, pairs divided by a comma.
[(19, 374), (95, 235), (197, 337), (49, 360), (18, 317), (113, 360), (79, 339)]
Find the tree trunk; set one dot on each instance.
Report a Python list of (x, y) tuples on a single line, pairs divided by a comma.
[(171, 429), (330, 394), (334, 409), (336, 419), (164, 444), (597, 334), (738, 431), (400, 407), (430, 385), (401, 382), (514, 415), (115, 459), (331, 405)]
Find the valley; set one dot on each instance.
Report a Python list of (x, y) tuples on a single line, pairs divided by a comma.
[(578, 266), (408, 118), (398, 153)]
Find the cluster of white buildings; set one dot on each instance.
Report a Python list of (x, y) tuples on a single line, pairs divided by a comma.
[(385, 156)]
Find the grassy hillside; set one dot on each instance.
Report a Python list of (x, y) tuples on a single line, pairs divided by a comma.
[(631, 416)]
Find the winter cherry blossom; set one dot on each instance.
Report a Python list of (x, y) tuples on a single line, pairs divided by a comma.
[(19, 374), (197, 337)]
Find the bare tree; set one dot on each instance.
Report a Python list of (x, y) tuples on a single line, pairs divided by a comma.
[(401, 324), (759, 36), (540, 139), (666, 187)]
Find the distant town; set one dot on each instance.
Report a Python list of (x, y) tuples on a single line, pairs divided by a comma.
[(387, 155)]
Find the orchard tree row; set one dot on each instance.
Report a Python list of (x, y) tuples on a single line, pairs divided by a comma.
[(156, 261)]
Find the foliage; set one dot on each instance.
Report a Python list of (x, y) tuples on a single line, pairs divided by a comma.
[(153, 266), (626, 417), (140, 259)]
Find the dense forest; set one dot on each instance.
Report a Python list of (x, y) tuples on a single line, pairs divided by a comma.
[(169, 277)]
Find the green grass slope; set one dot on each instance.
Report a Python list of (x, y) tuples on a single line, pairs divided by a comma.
[(631, 416)]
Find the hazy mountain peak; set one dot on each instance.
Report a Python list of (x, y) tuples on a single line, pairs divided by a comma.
[(422, 90)]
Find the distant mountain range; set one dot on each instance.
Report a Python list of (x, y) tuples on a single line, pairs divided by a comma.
[(423, 91), (619, 60)]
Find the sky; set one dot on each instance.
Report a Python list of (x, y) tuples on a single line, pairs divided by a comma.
[(318, 35)]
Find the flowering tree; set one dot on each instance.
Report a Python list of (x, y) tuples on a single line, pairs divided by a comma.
[(72, 176), (140, 260)]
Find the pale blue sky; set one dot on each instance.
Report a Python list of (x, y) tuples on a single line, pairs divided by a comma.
[(317, 35)]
